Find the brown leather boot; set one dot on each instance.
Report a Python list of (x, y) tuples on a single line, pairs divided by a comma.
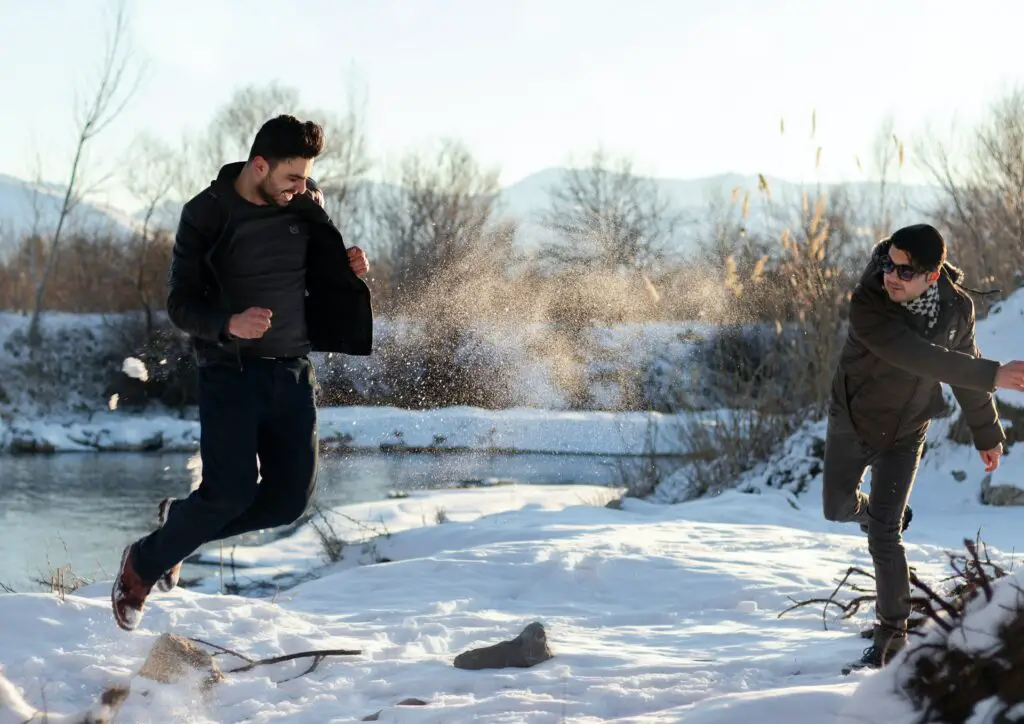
[(128, 596), (168, 580)]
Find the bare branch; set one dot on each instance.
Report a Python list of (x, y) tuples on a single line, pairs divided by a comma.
[(438, 213), (109, 98), (982, 205), (231, 132), (345, 157), (222, 649), (152, 170), (848, 609), (318, 656), (609, 218)]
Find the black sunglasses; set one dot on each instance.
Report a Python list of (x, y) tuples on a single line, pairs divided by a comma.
[(905, 272)]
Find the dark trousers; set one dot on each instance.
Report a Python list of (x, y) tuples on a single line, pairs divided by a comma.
[(893, 471), (265, 410)]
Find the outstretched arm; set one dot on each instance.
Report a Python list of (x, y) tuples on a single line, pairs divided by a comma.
[(899, 345)]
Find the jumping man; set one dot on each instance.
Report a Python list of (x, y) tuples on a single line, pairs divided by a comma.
[(259, 278)]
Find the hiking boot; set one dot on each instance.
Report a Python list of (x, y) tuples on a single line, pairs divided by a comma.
[(887, 641), (169, 580), (128, 596)]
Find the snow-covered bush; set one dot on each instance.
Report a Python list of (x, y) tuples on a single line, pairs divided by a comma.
[(498, 365), (69, 367), (967, 667)]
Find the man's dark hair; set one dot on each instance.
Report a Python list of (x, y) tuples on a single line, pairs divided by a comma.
[(287, 137), (923, 244)]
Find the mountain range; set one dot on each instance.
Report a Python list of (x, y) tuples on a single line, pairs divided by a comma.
[(25, 206)]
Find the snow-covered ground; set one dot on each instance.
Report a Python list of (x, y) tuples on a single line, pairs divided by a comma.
[(999, 336), (654, 613)]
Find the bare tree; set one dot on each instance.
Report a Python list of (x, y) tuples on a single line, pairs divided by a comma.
[(345, 157), (982, 182), (887, 159), (608, 218), (25, 255), (234, 125), (438, 211), (343, 165), (114, 89), (442, 259), (152, 171)]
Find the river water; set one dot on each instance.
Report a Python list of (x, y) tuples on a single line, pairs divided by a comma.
[(80, 510)]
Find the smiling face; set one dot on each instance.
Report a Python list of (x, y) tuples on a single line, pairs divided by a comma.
[(279, 183), (897, 286)]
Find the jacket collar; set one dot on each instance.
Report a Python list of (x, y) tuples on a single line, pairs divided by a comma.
[(303, 204)]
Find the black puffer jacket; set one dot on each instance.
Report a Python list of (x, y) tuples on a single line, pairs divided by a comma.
[(890, 368), (339, 314)]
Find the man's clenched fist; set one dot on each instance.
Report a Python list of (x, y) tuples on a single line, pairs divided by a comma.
[(358, 261), (1011, 376), (991, 458), (253, 323)]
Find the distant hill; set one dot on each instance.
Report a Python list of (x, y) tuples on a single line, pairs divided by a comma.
[(521, 201), (694, 197), (25, 206)]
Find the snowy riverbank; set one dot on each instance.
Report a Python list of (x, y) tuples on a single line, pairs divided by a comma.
[(372, 429), (654, 613)]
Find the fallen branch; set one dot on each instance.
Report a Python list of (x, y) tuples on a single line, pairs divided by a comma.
[(848, 609), (221, 649), (318, 656)]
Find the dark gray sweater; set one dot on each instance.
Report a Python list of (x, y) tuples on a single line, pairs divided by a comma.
[(266, 267)]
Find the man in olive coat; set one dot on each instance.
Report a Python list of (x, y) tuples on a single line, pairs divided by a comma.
[(911, 327)]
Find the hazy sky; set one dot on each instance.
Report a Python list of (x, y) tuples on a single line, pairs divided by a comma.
[(687, 87)]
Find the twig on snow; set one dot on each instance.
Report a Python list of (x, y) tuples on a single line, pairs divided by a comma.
[(318, 656), (221, 649), (848, 609)]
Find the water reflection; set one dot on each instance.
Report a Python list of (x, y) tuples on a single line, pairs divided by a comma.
[(81, 509)]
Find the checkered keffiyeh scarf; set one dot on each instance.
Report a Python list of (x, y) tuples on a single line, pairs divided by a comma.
[(926, 305)]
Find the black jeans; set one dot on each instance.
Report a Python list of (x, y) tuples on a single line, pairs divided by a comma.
[(893, 471), (265, 410)]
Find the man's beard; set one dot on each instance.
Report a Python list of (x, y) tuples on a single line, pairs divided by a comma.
[(270, 198)]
